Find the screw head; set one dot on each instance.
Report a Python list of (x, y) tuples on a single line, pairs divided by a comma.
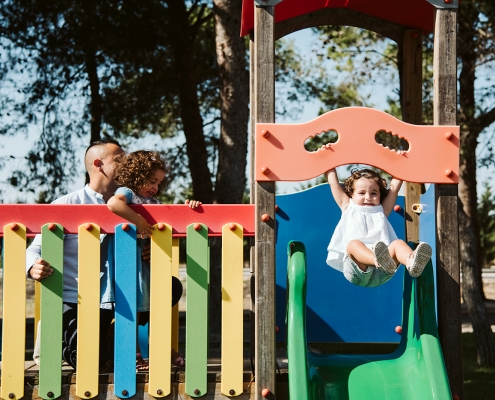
[(14, 226), (449, 135), (125, 227), (52, 227), (265, 133), (159, 392), (265, 170), (265, 217), (125, 392), (265, 392), (87, 393), (231, 392), (50, 394), (232, 227), (161, 227), (11, 395), (448, 172), (196, 391), (197, 227), (398, 329), (397, 208), (89, 227)]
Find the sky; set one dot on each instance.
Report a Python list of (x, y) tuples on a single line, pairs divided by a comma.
[(17, 147)]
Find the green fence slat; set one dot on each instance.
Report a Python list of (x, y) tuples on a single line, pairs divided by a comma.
[(197, 287), (52, 250)]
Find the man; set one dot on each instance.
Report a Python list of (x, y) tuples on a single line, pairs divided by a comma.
[(99, 162)]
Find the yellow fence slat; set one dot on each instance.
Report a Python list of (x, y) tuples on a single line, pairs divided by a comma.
[(160, 311), (14, 311), (88, 311), (175, 309), (232, 310)]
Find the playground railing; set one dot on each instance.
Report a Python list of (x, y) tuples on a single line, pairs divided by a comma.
[(18, 222)]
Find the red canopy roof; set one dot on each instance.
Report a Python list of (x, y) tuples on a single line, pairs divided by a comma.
[(416, 14)]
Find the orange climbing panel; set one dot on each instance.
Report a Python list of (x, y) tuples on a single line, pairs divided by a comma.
[(433, 155)]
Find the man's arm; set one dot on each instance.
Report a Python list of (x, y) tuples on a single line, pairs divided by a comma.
[(36, 267), (389, 201)]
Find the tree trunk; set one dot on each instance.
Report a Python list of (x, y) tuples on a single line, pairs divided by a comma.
[(469, 130), (95, 105), (182, 39), (234, 92), (472, 286), (232, 151), (485, 342)]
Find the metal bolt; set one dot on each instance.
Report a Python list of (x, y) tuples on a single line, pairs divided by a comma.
[(231, 392), (125, 392), (159, 392), (50, 394), (87, 393), (196, 391), (11, 395)]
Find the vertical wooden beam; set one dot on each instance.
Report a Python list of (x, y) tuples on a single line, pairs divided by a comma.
[(448, 268), (265, 204), (252, 197), (412, 85)]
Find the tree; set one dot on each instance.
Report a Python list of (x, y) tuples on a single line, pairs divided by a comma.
[(486, 214)]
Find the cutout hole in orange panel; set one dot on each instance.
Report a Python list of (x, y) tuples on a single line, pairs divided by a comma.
[(392, 141), (313, 143)]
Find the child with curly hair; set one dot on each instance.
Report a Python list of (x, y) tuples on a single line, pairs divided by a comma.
[(364, 245), (141, 176)]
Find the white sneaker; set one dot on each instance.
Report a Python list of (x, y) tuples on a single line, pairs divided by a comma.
[(417, 260), (383, 259)]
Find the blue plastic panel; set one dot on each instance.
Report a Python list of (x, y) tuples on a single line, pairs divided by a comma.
[(337, 310), (428, 229), (125, 311)]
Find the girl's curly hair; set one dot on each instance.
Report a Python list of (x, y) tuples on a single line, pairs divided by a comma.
[(368, 174), (133, 170)]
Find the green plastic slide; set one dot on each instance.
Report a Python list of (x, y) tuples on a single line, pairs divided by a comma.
[(415, 370)]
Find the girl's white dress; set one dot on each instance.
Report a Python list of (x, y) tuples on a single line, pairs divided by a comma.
[(365, 223)]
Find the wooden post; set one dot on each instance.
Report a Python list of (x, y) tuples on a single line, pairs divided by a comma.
[(265, 205), (448, 268), (412, 80)]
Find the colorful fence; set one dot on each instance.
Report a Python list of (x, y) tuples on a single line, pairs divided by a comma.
[(232, 223)]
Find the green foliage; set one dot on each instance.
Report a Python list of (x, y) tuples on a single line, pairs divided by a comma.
[(486, 215)]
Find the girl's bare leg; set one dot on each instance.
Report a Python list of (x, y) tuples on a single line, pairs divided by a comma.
[(399, 250), (360, 254)]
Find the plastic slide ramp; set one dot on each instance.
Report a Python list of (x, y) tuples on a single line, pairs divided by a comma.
[(415, 370)]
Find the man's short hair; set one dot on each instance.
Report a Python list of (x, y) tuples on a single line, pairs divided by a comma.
[(103, 141)]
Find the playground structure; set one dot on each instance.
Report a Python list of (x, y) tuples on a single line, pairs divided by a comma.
[(437, 155)]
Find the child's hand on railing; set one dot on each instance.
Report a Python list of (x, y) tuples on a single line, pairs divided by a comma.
[(193, 203), (143, 227), (40, 270)]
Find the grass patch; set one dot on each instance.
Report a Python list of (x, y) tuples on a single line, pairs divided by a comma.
[(479, 383)]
